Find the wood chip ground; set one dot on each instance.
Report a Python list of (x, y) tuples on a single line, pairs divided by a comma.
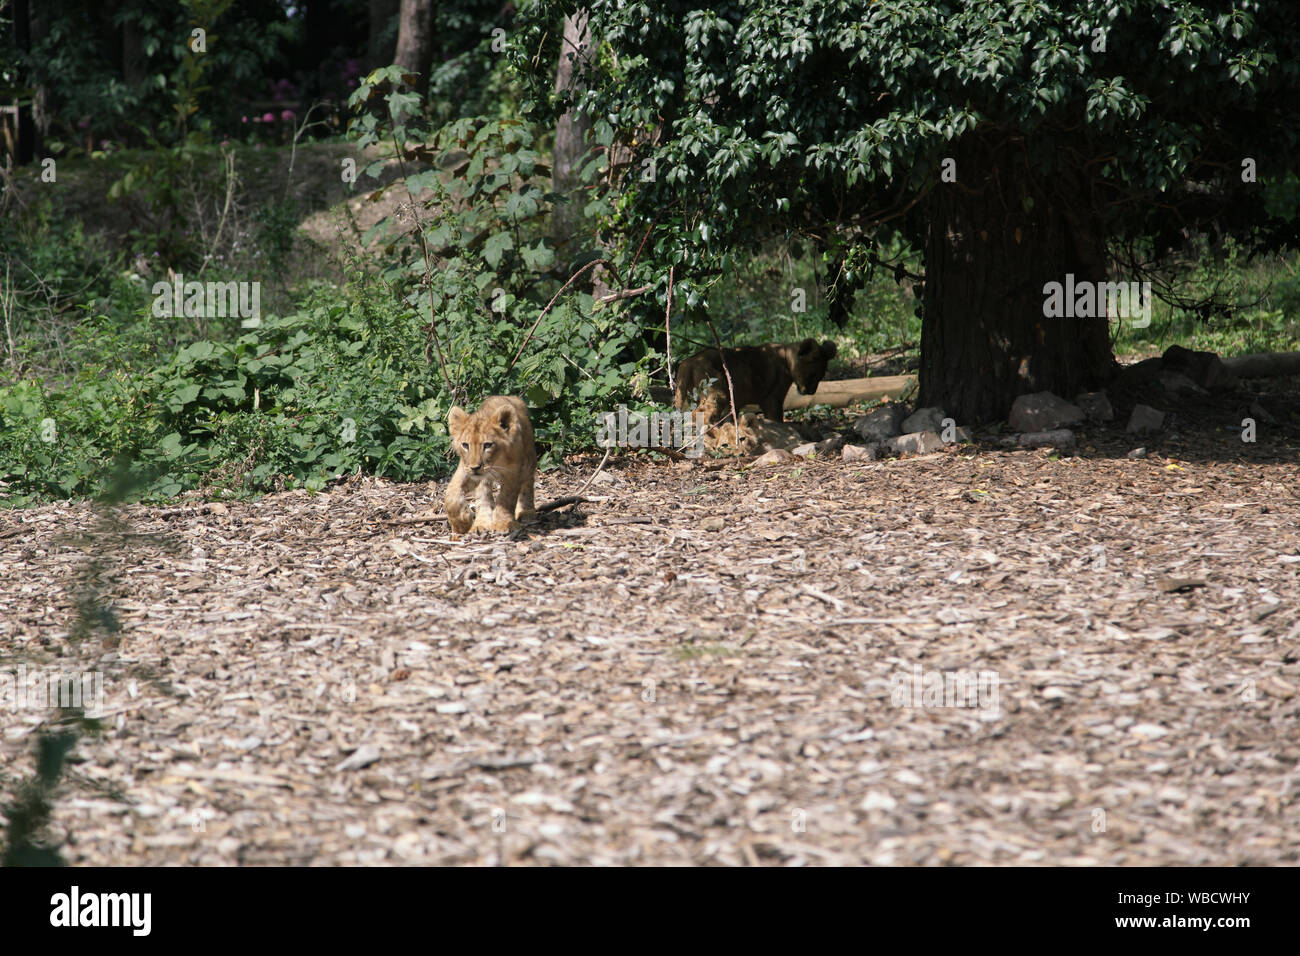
[(700, 666)]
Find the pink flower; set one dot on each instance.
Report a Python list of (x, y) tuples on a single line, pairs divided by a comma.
[(287, 116), (268, 117)]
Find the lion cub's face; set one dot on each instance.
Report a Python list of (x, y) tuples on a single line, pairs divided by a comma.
[(810, 361), (481, 440)]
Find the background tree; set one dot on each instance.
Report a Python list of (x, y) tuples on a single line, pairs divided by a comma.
[(571, 129), (1071, 131), (415, 39)]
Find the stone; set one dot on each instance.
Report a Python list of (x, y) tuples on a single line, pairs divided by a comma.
[(1095, 405), (1054, 438), (831, 446), (1146, 419), (917, 443), (777, 456), (924, 420), (1205, 369), (881, 424), (1141, 373), (1261, 414), (1042, 411), (1176, 383), (804, 450), (860, 452), (1137, 453)]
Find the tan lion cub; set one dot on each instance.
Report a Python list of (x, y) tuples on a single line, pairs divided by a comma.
[(498, 463)]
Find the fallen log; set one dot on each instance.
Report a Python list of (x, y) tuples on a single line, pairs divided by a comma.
[(1264, 364), (851, 391)]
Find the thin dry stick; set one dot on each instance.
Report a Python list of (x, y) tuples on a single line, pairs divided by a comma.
[(554, 298), (731, 392), (433, 327), (432, 337), (225, 212), (7, 303), (668, 332), (575, 499), (636, 258), (625, 294)]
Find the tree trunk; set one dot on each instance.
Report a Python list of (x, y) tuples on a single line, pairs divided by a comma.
[(381, 40), (571, 131), (28, 138), (996, 236), (415, 40)]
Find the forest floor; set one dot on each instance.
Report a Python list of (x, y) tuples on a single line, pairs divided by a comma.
[(708, 662)]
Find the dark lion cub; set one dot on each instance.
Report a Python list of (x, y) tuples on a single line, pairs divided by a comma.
[(760, 375)]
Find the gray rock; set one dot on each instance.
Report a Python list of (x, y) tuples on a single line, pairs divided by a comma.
[(917, 443), (881, 424), (924, 420), (1206, 369), (1096, 405), (777, 456), (1055, 438), (1176, 383), (1148, 370), (803, 451), (830, 446), (961, 434), (1261, 414), (1042, 411), (860, 453), (1146, 419), (1137, 453)]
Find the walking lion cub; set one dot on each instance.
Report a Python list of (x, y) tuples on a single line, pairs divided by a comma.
[(493, 485)]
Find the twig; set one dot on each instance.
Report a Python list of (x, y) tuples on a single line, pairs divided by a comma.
[(575, 499), (668, 334), (528, 337), (231, 180), (625, 294), (731, 392)]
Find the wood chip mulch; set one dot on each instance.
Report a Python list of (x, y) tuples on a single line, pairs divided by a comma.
[(703, 664)]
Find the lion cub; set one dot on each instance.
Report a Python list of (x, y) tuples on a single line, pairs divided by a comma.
[(760, 375), (498, 463), (757, 434)]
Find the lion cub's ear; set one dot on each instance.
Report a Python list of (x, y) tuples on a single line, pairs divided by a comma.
[(828, 349), (506, 418), (456, 421)]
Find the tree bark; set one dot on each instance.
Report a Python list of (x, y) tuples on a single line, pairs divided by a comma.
[(381, 39), (415, 40), (996, 236), (571, 130), (28, 137)]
